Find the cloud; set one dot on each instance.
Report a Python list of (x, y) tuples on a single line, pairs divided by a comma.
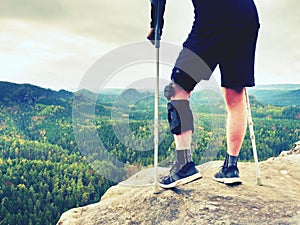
[(278, 50), (54, 42), (32, 10), (46, 55), (110, 21), (121, 21)]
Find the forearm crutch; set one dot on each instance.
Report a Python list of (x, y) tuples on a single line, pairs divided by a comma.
[(156, 97), (252, 136)]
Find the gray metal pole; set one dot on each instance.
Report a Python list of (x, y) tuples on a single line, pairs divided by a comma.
[(252, 136), (156, 102), (156, 97)]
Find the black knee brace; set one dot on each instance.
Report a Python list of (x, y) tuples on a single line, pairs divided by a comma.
[(185, 81), (180, 116)]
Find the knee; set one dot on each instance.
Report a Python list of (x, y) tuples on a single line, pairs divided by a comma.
[(181, 87), (234, 97), (180, 93), (174, 92), (183, 80)]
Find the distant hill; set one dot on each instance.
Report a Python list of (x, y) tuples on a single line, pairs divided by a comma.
[(11, 93), (276, 94), (279, 95), (278, 86)]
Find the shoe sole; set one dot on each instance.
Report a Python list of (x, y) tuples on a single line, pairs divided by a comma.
[(181, 181), (235, 180)]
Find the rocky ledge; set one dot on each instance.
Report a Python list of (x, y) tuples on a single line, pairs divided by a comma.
[(204, 201)]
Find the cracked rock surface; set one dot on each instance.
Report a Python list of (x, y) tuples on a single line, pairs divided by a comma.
[(203, 201)]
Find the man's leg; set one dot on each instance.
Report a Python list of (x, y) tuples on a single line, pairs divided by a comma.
[(235, 131), (183, 140), (184, 170), (236, 119)]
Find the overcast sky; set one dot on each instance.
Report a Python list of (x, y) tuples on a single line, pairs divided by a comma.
[(53, 43)]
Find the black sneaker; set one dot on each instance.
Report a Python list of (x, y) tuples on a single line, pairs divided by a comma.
[(229, 175), (180, 175)]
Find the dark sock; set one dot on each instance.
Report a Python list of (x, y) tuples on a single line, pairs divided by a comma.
[(230, 161), (184, 156), (225, 164)]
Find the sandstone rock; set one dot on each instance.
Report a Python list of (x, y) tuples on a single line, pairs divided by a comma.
[(203, 201), (295, 150)]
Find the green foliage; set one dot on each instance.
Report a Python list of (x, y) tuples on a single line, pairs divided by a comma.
[(39, 190), (43, 173)]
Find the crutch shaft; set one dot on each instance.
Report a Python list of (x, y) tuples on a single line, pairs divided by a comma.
[(156, 102), (156, 98), (252, 137)]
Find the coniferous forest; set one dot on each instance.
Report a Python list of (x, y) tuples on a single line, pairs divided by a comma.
[(45, 169)]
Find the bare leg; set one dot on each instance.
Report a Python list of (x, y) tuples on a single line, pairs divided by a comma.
[(236, 129), (184, 140), (236, 119)]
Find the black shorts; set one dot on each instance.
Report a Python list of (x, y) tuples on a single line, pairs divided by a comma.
[(232, 48)]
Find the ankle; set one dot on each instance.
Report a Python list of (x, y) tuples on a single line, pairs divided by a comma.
[(230, 161), (184, 156)]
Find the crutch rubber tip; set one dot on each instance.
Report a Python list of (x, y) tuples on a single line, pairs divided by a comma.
[(156, 189), (259, 182)]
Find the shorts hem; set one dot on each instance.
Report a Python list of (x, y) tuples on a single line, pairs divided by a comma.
[(237, 86)]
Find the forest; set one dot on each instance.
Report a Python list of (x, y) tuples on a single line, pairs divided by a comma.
[(60, 150)]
